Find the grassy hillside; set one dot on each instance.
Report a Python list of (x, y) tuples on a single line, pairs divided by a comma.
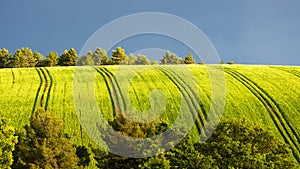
[(268, 95)]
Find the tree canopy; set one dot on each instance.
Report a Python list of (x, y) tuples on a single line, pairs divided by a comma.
[(51, 59), (119, 57), (234, 144), (44, 145), (7, 143), (24, 57), (5, 58), (142, 60), (170, 58), (68, 58), (189, 59), (238, 144)]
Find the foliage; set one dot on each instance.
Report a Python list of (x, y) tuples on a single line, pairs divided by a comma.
[(51, 59), (25, 58), (5, 58), (237, 144), (156, 162), (170, 58), (185, 155), (34, 61), (182, 155), (230, 62), (97, 57), (84, 156), (68, 58), (142, 60), (86, 59), (155, 62), (100, 57), (131, 59), (130, 129), (278, 82), (105, 60), (119, 57), (7, 143), (44, 145), (189, 59)]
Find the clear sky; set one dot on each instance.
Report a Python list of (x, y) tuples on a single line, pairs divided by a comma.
[(252, 31)]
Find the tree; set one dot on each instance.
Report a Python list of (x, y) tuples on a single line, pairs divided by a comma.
[(98, 56), (84, 156), (20, 57), (189, 59), (183, 155), (5, 58), (26, 58), (105, 60), (156, 162), (44, 145), (142, 60), (131, 129), (230, 62), (131, 59), (68, 58), (86, 59), (170, 58), (119, 57), (155, 62), (237, 144), (51, 59), (35, 59), (7, 143)]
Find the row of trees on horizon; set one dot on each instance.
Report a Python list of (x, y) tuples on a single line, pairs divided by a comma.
[(24, 57)]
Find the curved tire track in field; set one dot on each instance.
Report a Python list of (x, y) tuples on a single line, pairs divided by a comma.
[(116, 85), (187, 97), (43, 78), (38, 91), (192, 93), (13, 76), (49, 89), (45, 87), (293, 72), (111, 91), (278, 117)]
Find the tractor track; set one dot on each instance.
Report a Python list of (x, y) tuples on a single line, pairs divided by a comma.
[(112, 92), (13, 76), (45, 87), (43, 80), (116, 85), (277, 116), (38, 91), (187, 97), (49, 89), (192, 92)]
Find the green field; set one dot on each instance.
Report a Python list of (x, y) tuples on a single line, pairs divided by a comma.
[(268, 95)]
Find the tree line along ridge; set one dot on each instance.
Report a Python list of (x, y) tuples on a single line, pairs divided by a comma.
[(25, 57)]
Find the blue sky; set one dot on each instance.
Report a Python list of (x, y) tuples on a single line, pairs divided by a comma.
[(250, 32)]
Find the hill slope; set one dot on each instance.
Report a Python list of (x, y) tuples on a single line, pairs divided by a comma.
[(268, 95)]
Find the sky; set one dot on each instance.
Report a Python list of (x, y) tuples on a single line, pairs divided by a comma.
[(247, 32)]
